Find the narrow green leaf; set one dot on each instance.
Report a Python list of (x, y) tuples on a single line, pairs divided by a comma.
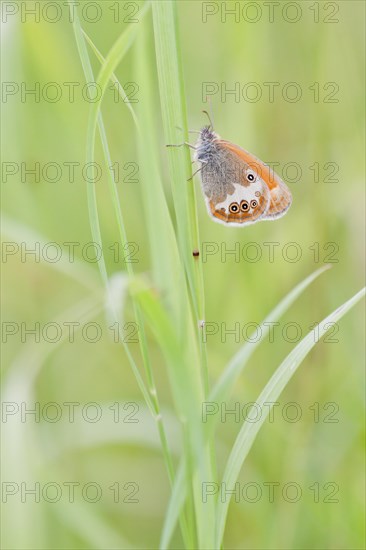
[(270, 394), (173, 108), (239, 361), (175, 506), (113, 58), (113, 78), (187, 395), (237, 364)]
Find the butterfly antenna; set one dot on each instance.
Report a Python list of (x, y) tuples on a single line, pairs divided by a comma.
[(209, 118), (211, 112)]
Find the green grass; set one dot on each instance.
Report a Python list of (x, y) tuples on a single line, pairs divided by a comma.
[(172, 370)]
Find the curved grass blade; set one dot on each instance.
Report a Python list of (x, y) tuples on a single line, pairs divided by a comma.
[(271, 392), (166, 263), (187, 392), (174, 508), (161, 232), (240, 359), (113, 78), (123, 42), (111, 61), (113, 58)]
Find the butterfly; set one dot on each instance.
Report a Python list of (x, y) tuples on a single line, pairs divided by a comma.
[(239, 189)]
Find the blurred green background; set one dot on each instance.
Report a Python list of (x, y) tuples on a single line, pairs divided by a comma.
[(325, 45)]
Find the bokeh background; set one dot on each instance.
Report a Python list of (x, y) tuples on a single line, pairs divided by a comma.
[(324, 129)]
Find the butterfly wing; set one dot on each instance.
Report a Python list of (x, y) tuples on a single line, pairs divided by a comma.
[(243, 205), (231, 196), (280, 197)]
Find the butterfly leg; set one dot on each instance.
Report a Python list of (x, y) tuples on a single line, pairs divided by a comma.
[(196, 172), (181, 145), (189, 131)]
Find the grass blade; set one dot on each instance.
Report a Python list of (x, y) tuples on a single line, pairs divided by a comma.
[(175, 506), (113, 78), (271, 392), (172, 94), (236, 366), (240, 359), (122, 43), (187, 392), (114, 56)]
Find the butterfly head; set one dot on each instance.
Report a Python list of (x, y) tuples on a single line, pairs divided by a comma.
[(207, 133)]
